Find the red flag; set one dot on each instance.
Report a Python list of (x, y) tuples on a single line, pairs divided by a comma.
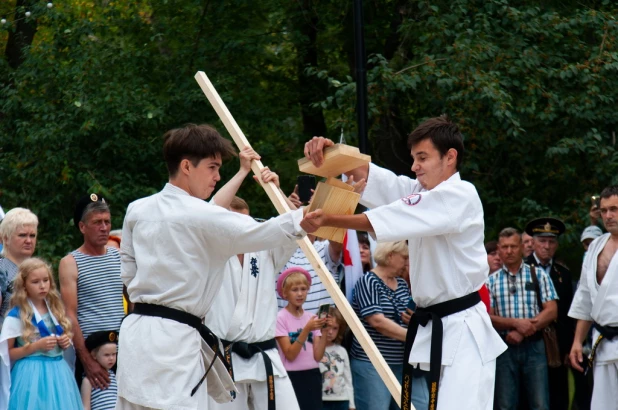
[(352, 262)]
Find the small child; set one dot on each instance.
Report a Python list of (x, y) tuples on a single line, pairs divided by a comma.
[(299, 339), (35, 332), (337, 389), (103, 346)]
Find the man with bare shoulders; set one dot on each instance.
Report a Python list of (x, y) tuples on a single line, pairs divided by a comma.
[(91, 287), (596, 304)]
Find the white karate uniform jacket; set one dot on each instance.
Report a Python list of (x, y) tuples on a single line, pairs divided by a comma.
[(174, 250), (598, 303), (445, 231), (245, 310)]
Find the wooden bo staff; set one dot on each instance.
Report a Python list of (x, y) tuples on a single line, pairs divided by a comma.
[(281, 205)]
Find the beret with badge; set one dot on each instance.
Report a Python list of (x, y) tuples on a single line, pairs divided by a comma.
[(81, 205), (545, 227), (101, 338)]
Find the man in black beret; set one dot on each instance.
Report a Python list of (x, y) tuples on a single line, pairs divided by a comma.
[(545, 232), (91, 285)]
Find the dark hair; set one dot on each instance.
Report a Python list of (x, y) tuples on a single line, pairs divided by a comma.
[(609, 191), (194, 142), (94, 208), (491, 246), (362, 238), (508, 232), (443, 133)]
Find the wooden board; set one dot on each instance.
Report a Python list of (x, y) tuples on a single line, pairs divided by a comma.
[(333, 200), (327, 279), (338, 159), (339, 184)]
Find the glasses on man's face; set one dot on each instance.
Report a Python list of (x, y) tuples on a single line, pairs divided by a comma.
[(512, 284)]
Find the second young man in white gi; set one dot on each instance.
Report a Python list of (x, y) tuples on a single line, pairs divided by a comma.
[(244, 314), (596, 304), (441, 216), (174, 249)]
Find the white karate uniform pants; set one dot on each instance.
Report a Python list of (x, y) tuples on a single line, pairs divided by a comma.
[(467, 384), (124, 404), (605, 390), (253, 396)]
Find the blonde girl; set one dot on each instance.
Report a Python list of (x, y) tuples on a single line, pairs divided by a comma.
[(35, 332), (300, 342)]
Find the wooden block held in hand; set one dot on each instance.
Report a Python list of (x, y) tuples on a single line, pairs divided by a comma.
[(338, 159), (333, 200)]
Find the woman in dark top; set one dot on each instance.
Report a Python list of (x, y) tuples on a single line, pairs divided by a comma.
[(380, 298)]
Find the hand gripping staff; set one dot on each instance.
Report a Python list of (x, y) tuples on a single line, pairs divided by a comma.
[(329, 282)]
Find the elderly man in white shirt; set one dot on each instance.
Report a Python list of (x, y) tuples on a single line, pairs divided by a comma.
[(174, 249), (596, 304), (441, 216)]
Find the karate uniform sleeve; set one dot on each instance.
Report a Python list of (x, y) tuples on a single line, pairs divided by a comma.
[(281, 256), (581, 307), (347, 377), (237, 233), (448, 208), (128, 267), (548, 291), (384, 187), (367, 296)]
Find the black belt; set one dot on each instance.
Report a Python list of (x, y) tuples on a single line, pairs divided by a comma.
[(421, 317), (606, 332), (247, 351), (188, 319)]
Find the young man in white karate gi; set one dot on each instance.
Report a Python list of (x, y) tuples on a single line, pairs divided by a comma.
[(441, 216), (245, 313), (174, 250), (596, 305)]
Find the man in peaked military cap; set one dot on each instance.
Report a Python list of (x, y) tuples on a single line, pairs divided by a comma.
[(545, 232)]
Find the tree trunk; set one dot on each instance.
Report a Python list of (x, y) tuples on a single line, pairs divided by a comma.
[(311, 88), (22, 36)]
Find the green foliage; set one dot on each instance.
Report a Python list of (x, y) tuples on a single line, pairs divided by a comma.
[(533, 87), (534, 90)]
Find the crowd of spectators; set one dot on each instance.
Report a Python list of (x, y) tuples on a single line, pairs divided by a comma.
[(529, 290)]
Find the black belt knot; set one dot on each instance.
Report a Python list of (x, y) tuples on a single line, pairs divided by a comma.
[(147, 309), (247, 351), (421, 317), (605, 332)]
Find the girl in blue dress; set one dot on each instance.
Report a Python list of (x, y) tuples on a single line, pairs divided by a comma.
[(36, 331)]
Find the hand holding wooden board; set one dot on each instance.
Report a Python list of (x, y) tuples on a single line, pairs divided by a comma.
[(327, 279)]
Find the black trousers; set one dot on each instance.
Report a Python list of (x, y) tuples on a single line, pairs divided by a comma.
[(307, 385)]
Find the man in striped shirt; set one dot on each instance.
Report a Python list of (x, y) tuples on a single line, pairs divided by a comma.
[(516, 316), (91, 287)]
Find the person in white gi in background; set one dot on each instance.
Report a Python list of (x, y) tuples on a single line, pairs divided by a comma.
[(245, 312), (596, 304), (441, 216), (174, 250)]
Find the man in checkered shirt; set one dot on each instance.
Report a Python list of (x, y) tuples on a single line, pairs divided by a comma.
[(515, 315)]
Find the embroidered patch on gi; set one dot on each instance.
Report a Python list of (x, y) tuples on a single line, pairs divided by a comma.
[(254, 268), (412, 199)]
